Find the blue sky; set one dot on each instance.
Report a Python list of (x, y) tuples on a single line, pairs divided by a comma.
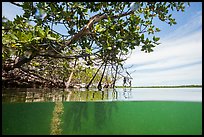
[(176, 61)]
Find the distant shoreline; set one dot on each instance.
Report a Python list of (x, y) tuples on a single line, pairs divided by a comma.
[(180, 86)]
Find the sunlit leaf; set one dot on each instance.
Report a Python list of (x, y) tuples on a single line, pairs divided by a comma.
[(51, 38)]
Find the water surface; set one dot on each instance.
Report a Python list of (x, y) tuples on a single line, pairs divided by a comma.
[(120, 94), (121, 111)]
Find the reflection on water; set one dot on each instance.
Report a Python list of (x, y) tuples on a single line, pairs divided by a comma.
[(87, 117), (53, 95), (103, 113), (125, 94), (74, 114)]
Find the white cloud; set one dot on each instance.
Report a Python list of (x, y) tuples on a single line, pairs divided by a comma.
[(195, 22), (176, 61), (169, 53), (186, 75)]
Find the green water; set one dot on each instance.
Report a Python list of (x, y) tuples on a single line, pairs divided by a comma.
[(114, 117)]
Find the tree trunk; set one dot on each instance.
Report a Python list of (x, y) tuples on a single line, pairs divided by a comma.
[(99, 84), (18, 64), (115, 76), (67, 84), (93, 77)]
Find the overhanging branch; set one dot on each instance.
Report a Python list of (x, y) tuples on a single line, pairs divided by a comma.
[(65, 57), (87, 29), (30, 73), (19, 5)]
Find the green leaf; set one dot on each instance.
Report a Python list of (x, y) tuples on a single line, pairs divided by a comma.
[(142, 49), (88, 50), (101, 29), (47, 31), (14, 37), (41, 33), (51, 38), (158, 30), (132, 47), (156, 39), (109, 48), (37, 38), (142, 36), (36, 64), (120, 40)]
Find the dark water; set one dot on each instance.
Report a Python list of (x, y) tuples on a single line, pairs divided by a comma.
[(37, 111)]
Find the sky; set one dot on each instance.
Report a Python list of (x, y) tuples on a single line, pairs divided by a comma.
[(176, 61)]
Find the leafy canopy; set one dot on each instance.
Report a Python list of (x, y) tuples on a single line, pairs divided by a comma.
[(96, 31)]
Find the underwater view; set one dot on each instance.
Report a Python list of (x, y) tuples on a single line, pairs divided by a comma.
[(109, 112)]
